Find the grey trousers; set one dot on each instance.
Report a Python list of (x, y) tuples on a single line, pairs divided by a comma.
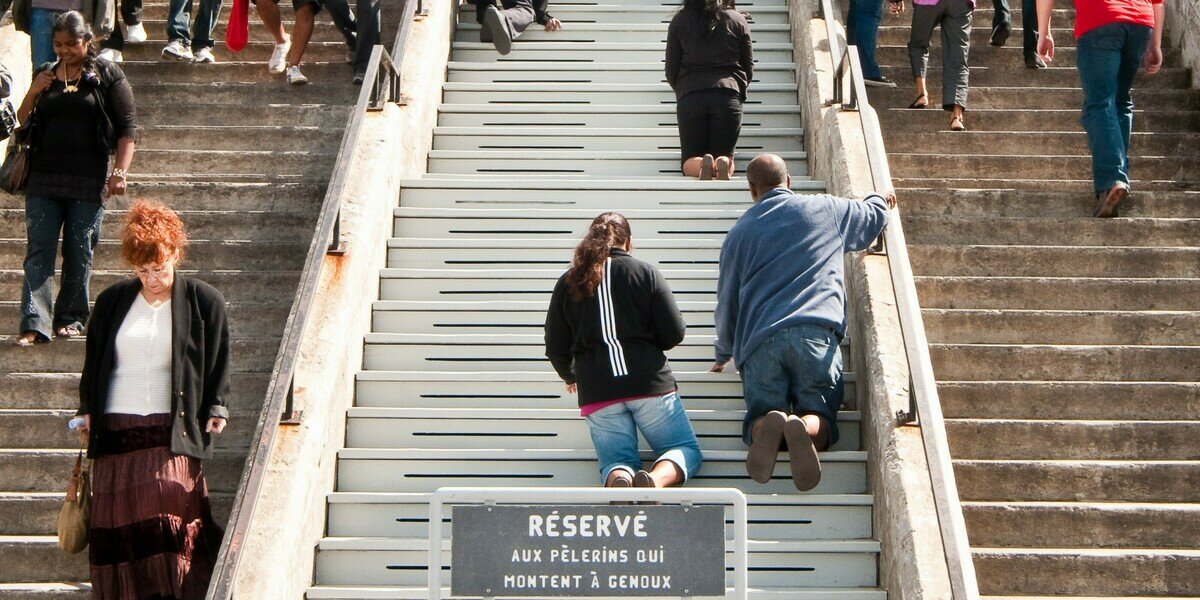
[(517, 13), (954, 16)]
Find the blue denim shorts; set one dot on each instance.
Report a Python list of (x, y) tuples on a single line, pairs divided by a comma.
[(798, 370), (663, 423)]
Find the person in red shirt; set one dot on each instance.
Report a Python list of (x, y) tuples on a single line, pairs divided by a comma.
[(1113, 38)]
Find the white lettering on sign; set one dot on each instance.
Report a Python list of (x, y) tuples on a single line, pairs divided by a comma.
[(639, 582), (587, 526), (557, 582)]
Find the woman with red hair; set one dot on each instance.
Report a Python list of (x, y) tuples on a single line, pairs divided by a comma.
[(153, 394)]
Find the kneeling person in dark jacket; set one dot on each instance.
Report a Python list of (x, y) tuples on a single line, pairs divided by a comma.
[(610, 320)]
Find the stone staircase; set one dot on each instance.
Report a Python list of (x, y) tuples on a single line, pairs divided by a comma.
[(455, 389), (1066, 347), (245, 159)]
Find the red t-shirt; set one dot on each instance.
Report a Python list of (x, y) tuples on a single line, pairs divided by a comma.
[(1090, 14)]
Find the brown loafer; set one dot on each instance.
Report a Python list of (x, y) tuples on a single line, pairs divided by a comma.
[(1108, 205), (642, 479), (802, 454), (621, 482), (706, 167), (764, 446)]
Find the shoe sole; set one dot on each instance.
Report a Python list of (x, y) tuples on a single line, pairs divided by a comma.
[(1112, 202), (722, 168), (878, 84), (764, 449), (706, 168), (802, 455), (621, 484), (172, 56), (495, 23), (642, 479)]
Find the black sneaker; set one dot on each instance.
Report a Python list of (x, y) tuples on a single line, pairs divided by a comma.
[(358, 78), (880, 81), (1034, 61), (1000, 34)]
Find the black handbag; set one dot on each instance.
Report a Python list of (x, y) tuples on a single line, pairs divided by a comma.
[(8, 120), (14, 172)]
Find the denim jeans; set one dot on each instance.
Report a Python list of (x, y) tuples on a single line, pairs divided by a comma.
[(1029, 22), (1108, 59), (79, 222), (862, 30), (663, 423), (41, 41), (798, 370), (206, 18)]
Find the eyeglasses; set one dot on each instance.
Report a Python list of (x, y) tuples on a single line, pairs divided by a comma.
[(147, 272)]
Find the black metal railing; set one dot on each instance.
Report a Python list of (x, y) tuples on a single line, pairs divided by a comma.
[(850, 93), (381, 85)]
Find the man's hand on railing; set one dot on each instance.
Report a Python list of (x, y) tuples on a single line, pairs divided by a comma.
[(889, 197)]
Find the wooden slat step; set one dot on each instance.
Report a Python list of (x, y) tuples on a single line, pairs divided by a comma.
[(582, 54), (751, 140), (597, 115), (615, 13), (463, 284), (421, 593), (388, 317), (612, 33), (533, 162), (475, 223), (530, 255), (613, 73), (594, 94)]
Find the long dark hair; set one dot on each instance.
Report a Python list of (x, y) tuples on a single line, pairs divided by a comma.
[(609, 230), (75, 25), (710, 9)]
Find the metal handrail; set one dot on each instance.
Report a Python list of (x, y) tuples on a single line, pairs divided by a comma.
[(381, 85), (923, 393)]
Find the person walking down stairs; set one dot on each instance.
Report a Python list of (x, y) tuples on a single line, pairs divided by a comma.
[(1114, 38), (502, 26), (954, 17), (130, 30), (780, 314), (611, 319), (306, 13), (709, 64), (198, 45)]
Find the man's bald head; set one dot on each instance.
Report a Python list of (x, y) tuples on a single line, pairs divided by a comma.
[(766, 172)]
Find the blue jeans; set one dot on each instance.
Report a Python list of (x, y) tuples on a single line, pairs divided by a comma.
[(1108, 59), (41, 40), (798, 370), (206, 18), (662, 422), (862, 30), (79, 222)]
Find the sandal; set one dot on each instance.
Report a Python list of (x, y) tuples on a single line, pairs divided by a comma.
[(918, 104), (33, 339), (722, 167), (706, 167), (958, 124), (68, 332)]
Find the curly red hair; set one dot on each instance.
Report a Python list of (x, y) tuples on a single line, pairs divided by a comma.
[(153, 234)]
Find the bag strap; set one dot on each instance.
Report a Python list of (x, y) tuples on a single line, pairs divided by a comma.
[(73, 487)]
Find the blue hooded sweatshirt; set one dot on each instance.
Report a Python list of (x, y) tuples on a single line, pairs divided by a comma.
[(782, 265)]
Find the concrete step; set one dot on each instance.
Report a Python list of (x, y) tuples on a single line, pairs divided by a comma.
[(1027, 120), (989, 362), (220, 254), (1118, 400), (1039, 166), (324, 31), (47, 470), (1077, 480), (246, 318), (1011, 54), (162, 71), (1077, 182), (1081, 524), (596, 73), (37, 559), (306, 115), (1073, 440), (1001, 203), (893, 33), (1075, 572), (60, 391), (272, 196), (66, 356), (1140, 328), (1159, 143), (40, 428), (294, 164), (245, 94), (1058, 293), (1054, 76), (36, 513), (1129, 232), (601, 140), (1056, 261), (46, 591), (1033, 98), (223, 138), (333, 51), (235, 285), (243, 225)]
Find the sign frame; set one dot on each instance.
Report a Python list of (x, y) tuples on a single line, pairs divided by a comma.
[(581, 495)]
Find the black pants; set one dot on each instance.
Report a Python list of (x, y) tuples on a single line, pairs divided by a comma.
[(518, 14), (709, 122), (131, 14), (368, 25), (1029, 22)]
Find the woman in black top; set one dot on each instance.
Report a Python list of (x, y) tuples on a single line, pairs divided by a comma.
[(610, 320), (709, 65), (82, 112)]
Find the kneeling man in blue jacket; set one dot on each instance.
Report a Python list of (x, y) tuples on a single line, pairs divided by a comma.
[(781, 306)]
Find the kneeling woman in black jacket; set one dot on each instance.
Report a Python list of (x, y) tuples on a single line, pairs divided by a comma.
[(610, 320)]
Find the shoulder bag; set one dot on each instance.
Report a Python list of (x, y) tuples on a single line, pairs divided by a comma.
[(75, 517), (14, 171)]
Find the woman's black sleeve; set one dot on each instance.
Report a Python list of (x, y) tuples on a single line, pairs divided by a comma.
[(674, 58), (559, 337), (669, 327), (747, 59), (122, 107), (97, 335), (216, 359)]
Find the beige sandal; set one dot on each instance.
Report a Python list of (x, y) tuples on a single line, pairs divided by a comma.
[(958, 123)]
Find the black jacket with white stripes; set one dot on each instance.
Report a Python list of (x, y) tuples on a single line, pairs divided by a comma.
[(612, 344)]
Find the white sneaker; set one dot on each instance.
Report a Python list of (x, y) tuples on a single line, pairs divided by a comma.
[(278, 63), (111, 55), (135, 33), (295, 77), (177, 50), (204, 55)]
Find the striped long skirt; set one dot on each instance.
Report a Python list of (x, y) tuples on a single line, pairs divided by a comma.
[(152, 532)]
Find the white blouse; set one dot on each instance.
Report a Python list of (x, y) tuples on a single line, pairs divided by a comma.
[(141, 380)]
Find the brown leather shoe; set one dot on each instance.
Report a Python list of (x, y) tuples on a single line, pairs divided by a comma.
[(621, 481), (642, 479), (766, 435), (802, 454), (1108, 205)]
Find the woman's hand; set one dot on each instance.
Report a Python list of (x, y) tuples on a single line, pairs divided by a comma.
[(215, 425), (41, 82), (116, 185), (572, 388)]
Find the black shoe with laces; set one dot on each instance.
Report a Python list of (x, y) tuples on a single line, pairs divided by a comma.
[(1033, 61), (880, 81), (1000, 34)]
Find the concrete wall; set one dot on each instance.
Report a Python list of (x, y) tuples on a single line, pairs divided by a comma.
[(14, 54), (1183, 31), (279, 550), (912, 565)]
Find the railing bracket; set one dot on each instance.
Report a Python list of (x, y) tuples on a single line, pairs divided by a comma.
[(904, 417), (293, 419), (338, 248)]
